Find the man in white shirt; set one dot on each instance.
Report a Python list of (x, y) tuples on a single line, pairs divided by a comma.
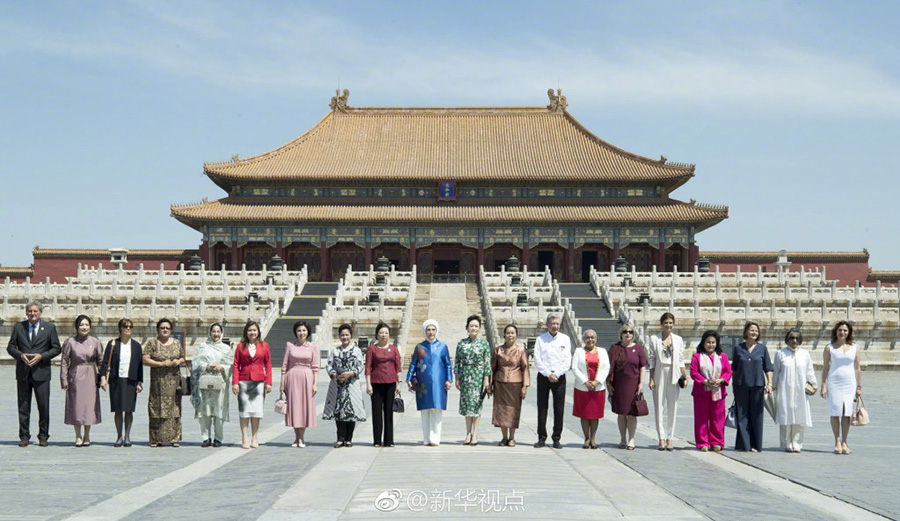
[(552, 358)]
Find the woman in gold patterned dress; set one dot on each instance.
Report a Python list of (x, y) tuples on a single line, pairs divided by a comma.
[(164, 355)]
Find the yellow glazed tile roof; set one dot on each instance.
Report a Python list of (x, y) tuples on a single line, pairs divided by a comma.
[(454, 144)]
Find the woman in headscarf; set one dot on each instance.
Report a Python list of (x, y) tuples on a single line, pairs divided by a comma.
[(792, 372), (213, 359), (430, 375), (344, 403)]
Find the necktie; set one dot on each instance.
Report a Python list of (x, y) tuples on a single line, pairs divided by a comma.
[(32, 332)]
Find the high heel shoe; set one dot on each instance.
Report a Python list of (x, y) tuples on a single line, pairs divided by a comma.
[(119, 442)]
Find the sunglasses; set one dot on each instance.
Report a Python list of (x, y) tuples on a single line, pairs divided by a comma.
[(164, 328), (793, 338), (127, 326), (627, 332)]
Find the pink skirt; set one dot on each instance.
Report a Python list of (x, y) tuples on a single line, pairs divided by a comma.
[(589, 404)]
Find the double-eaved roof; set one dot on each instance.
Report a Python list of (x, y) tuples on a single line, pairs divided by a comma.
[(423, 146)]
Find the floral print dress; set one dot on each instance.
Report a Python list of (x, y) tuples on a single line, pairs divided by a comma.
[(472, 364)]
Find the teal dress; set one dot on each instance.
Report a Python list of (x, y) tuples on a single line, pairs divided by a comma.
[(472, 364)]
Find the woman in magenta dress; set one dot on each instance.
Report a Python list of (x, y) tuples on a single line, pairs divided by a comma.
[(81, 357), (298, 382), (590, 365), (711, 372), (628, 371)]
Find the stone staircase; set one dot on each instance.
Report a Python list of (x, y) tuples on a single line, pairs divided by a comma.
[(449, 304), (591, 313), (307, 306)]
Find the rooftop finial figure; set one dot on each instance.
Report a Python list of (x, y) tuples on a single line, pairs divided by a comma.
[(339, 102), (557, 101)]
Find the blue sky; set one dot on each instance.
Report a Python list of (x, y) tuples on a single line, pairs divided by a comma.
[(790, 110)]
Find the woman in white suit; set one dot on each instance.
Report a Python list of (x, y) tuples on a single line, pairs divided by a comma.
[(590, 365), (665, 357)]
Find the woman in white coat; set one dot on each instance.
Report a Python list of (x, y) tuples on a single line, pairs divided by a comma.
[(793, 369), (590, 365), (665, 358)]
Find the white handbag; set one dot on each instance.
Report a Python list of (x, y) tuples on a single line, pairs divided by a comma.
[(211, 382)]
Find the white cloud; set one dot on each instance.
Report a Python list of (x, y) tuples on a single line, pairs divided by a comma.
[(298, 49)]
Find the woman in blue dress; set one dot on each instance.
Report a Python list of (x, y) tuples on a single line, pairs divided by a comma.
[(430, 375)]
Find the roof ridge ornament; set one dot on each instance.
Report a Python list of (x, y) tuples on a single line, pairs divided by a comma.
[(339, 102), (557, 101)]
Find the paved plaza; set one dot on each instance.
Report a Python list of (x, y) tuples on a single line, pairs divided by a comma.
[(276, 482)]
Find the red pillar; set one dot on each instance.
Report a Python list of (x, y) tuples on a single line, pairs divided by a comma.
[(413, 256), (235, 256), (661, 257), (615, 255), (279, 250), (367, 261), (570, 263), (326, 264), (205, 255), (526, 255), (480, 254), (693, 255)]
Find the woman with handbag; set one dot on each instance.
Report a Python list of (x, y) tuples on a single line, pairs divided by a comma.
[(430, 376), (510, 380), (122, 369), (711, 373), (472, 365), (344, 402), (383, 371), (590, 365), (795, 379), (628, 370), (841, 382), (81, 356), (298, 382), (251, 381), (163, 355), (752, 370), (210, 373), (665, 358)]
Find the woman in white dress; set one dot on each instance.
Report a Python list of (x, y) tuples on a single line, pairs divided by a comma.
[(841, 382), (665, 357), (793, 370)]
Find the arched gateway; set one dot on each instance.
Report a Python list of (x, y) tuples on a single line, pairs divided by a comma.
[(449, 189)]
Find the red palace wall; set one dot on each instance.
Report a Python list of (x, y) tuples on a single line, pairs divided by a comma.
[(60, 267), (846, 272)]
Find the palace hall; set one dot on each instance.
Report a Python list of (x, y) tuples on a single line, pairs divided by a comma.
[(449, 189)]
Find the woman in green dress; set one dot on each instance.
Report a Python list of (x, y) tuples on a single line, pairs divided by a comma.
[(473, 369)]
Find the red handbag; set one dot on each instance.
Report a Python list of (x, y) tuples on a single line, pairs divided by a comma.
[(639, 406)]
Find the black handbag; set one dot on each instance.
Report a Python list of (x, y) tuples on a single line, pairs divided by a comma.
[(399, 406), (682, 382), (183, 387)]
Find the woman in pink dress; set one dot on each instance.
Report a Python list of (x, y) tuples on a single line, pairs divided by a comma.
[(298, 382), (81, 358), (711, 372)]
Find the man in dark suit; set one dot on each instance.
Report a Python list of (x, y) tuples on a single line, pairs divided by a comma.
[(33, 344)]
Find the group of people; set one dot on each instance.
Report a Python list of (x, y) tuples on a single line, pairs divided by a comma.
[(787, 384), (617, 376)]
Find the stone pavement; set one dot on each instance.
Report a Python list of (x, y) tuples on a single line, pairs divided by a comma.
[(276, 482)]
